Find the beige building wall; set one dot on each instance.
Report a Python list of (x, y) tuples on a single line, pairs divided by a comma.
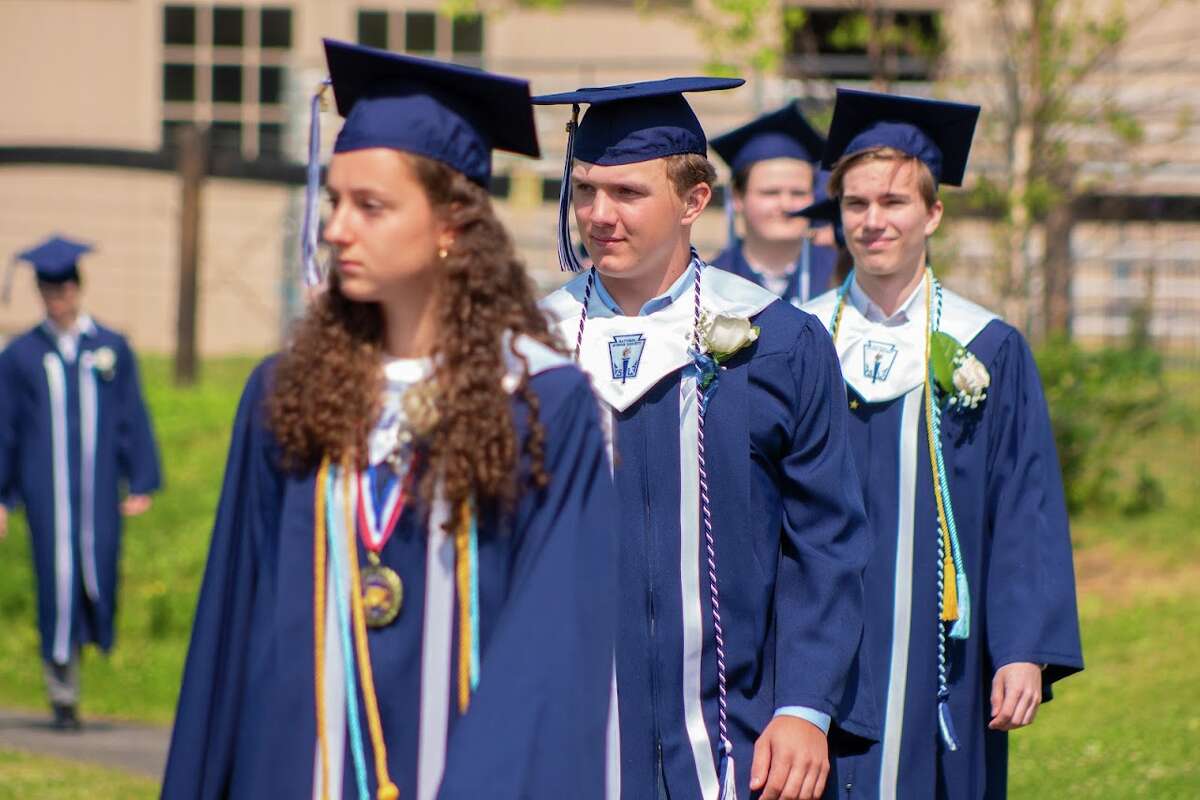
[(89, 73)]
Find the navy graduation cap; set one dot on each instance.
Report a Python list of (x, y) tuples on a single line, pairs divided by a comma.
[(783, 133), (937, 132), (447, 112), (627, 124), (55, 260)]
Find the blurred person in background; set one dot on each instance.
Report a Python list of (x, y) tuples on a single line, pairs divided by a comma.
[(773, 160), (77, 449)]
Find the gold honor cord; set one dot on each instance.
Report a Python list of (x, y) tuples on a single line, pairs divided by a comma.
[(319, 622), (950, 583), (462, 574)]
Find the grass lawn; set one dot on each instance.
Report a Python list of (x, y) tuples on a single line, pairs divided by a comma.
[(23, 776), (1128, 727)]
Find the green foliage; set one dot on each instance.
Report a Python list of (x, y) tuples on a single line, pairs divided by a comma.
[(854, 32), (943, 349), (1101, 403), (742, 34)]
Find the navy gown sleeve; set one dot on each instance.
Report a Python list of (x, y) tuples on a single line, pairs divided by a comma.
[(207, 718), (1031, 613), (826, 540), (536, 726), (138, 455)]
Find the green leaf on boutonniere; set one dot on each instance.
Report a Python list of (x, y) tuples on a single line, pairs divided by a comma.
[(944, 351)]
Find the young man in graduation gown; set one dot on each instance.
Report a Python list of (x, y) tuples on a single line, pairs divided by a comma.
[(742, 540), (773, 160), (77, 449), (970, 590)]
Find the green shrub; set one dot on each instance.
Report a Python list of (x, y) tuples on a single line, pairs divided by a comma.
[(1101, 403)]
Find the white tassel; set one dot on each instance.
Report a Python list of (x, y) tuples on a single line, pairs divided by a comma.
[(729, 780)]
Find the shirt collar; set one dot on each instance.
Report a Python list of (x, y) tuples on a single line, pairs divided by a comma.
[(681, 285), (873, 313), (84, 324)]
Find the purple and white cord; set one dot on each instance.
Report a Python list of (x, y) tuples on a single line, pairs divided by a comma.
[(710, 546), (583, 315)]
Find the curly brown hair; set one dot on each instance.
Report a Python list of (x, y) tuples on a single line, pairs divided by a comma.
[(327, 389)]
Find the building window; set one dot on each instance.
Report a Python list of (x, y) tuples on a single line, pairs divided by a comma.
[(228, 25), (467, 35), (179, 25), (835, 43), (420, 32), (227, 83), (179, 83), (270, 141), (275, 28), (270, 85), (226, 66), (424, 33), (373, 29)]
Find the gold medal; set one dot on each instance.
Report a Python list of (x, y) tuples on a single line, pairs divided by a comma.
[(382, 593)]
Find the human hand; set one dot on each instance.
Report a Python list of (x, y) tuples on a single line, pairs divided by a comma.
[(791, 760), (1016, 695), (135, 504), (3, 521)]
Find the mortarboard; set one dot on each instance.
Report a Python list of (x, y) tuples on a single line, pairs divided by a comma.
[(628, 124), (447, 112), (783, 133), (54, 260), (937, 132)]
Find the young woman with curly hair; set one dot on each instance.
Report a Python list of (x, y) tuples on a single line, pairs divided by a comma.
[(409, 588)]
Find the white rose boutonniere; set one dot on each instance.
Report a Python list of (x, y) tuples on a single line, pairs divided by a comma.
[(971, 380), (104, 361), (959, 374), (721, 337)]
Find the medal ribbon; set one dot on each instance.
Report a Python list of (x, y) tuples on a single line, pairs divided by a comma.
[(374, 528)]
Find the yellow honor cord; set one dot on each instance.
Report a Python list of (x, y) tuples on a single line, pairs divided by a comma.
[(949, 576), (462, 573), (319, 622), (387, 789)]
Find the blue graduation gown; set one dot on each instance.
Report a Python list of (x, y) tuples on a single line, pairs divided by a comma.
[(791, 538), (1012, 523), (822, 261), (72, 437), (246, 727)]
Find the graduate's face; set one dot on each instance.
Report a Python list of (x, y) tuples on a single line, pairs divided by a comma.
[(631, 217), (885, 217), (61, 301), (773, 188), (384, 231)]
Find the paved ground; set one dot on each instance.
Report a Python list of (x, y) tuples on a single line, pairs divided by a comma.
[(140, 749)]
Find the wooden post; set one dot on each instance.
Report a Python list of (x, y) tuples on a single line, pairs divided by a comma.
[(192, 165)]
